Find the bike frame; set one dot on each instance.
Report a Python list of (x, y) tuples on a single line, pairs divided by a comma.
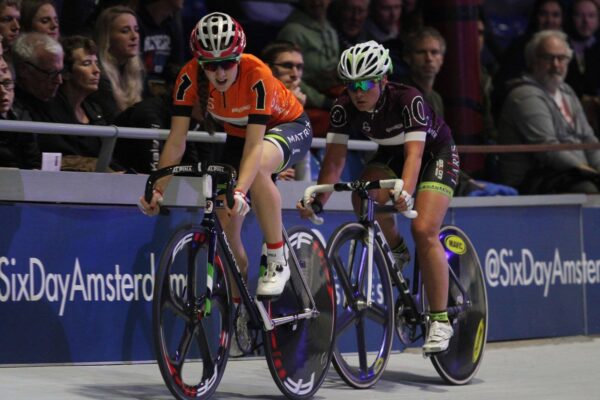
[(258, 313)]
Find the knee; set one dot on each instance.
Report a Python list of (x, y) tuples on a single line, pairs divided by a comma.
[(424, 232)]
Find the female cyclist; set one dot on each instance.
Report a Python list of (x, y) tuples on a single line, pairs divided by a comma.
[(266, 127), (415, 145)]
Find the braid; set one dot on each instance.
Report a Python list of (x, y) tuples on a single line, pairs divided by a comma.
[(209, 123)]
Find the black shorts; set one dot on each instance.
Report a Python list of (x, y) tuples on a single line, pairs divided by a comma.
[(293, 139), (439, 169)]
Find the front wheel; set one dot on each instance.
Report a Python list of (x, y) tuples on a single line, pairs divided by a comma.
[(459, 364), (299, 353), (364, 327), (191, 316)]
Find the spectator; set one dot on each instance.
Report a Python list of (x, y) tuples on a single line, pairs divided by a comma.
[(584, 70), (10, 27), (122, 78), (287, 64), (546, 14), (38, 61), (542, 109), (17, 150), (349, 17), (40, 16), (383, 23), (384, 26), (412, 16), (308, 28), (161, 44), (72, 106), (425, 51)]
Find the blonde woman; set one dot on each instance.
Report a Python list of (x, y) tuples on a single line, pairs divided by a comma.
[(122, 77)]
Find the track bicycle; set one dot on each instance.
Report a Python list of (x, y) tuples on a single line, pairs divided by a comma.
[(365, 270), (193, 313)]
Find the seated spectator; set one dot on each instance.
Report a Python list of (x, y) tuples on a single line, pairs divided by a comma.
[(384, 26), (546, 14), (10, 26), (72, 105), (584, 69), (308, 28), (17, 150), (349, 17), (542, 109), (425, 49), (38, 62), (161, 41), (121, 81), (40, 16), (286, 61), (384, 20)]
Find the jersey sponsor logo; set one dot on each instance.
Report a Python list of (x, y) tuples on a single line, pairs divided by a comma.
[(366, 127), (338, 116), (395, 127), (241, 109)]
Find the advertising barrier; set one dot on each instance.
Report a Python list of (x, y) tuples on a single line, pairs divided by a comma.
[(76, 281)]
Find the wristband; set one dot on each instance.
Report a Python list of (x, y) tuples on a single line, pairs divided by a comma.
[(158, 191)]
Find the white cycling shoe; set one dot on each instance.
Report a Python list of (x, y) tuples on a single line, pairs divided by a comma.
[(273, 281), (438, 337)]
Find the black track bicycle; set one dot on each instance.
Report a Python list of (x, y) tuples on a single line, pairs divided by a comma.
[(365, 270), (193, 313)]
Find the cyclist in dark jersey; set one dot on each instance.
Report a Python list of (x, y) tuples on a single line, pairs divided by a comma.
[(415, 145)]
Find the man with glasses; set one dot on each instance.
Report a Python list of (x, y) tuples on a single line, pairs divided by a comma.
[(38, 61), (542, 109), (17, 150)]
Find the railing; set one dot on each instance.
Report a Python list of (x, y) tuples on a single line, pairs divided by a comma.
[(110, 134)]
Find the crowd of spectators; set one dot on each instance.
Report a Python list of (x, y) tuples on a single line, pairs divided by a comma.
[(115, 62)]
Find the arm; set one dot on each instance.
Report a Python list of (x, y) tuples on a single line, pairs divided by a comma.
[(171, 155), (413, 156), (332, 167)]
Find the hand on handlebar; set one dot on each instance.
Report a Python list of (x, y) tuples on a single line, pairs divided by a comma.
[(403, 201), (151, 209), (310, 210), (241, 205)]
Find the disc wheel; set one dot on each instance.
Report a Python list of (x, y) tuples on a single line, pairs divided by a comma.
[(299, 353), (459, 364)]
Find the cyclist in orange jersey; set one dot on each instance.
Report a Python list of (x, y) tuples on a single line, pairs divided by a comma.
[(267, 131)]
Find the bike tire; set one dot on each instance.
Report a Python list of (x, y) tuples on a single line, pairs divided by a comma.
[(191, 346), (299, 354), (459, 364), (364, 368)]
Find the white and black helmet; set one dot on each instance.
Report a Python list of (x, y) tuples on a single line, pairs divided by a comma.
[(364, 61)]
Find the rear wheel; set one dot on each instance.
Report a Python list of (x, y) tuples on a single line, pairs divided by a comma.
[(364, 332), (191, 322), (459, 364), (299, 353)]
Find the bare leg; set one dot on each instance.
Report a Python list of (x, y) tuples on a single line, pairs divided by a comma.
[(232, 226), (432, 207), (266, 199)]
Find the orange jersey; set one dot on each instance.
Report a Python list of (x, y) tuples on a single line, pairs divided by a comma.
[(255, 97)]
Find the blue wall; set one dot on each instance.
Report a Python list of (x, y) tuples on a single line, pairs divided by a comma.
[(542, 267)]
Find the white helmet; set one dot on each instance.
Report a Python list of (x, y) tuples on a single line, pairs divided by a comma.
[(364, 61)]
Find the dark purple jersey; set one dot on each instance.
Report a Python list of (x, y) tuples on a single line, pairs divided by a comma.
[(400, 115)]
